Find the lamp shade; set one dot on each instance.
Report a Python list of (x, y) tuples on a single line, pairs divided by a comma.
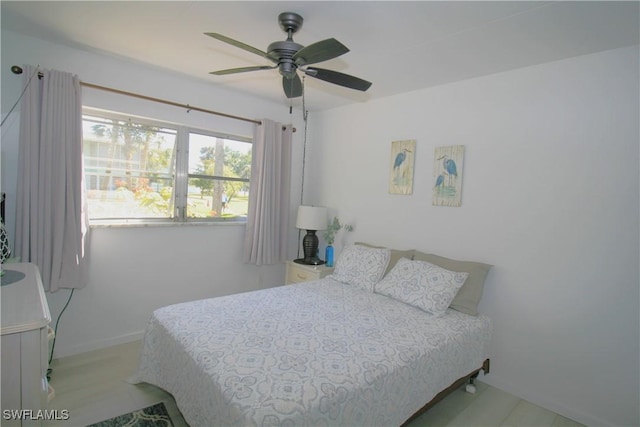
[(311, 218)]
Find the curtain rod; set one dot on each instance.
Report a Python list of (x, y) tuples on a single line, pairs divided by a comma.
[(15, 69)]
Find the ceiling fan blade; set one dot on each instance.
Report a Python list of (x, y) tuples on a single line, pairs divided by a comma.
[(292, 87), (320, 51), (236, 43), (338, 78), (242, 70)]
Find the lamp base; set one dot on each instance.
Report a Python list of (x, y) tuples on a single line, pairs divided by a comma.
[(312, 261)]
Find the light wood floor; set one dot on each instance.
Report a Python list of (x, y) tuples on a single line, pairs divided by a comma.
[(93, 387)]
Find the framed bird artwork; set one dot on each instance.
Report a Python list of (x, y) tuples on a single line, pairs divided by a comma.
[(447, 173), (401, 167)]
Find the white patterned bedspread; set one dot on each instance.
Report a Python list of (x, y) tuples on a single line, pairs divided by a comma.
[(312, 354)]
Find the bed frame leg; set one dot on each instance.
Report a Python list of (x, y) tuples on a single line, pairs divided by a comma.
[(471, 387), (452, 388)]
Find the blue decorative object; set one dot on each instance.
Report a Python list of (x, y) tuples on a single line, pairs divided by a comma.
[(328, 256)]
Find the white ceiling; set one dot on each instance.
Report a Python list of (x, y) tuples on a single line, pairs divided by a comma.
[(399, 46)]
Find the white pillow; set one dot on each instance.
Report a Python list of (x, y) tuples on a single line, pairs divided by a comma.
[(361, 266), (422, 284)]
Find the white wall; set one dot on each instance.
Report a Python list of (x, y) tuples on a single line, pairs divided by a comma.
[(135, 270), (550, 198)]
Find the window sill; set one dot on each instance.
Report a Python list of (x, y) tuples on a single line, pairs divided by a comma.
[(143, 224)]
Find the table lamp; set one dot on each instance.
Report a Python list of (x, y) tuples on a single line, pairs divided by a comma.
[(311, 218)]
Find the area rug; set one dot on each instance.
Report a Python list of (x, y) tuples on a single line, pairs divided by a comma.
[(151, 416)]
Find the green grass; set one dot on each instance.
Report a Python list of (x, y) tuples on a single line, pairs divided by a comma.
[(201, 207)]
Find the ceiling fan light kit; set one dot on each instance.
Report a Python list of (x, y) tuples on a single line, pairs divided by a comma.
[(290, 57)]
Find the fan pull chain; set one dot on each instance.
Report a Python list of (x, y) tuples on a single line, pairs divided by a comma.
[(305, 116), (305, 113)]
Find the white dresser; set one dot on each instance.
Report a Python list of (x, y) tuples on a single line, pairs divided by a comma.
[(25, 346)]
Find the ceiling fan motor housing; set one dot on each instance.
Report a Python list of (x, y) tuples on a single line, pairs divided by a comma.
[(287, 69), (282, 52)]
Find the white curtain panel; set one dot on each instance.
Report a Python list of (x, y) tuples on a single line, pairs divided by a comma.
[(268, 218), (52, 222)]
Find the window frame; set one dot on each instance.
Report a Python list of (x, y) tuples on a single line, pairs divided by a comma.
[(181, 171)]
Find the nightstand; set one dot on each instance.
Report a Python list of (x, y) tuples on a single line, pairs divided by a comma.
[(297, 273)]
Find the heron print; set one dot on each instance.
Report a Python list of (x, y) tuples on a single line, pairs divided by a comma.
[(401, 174), (447, 171)]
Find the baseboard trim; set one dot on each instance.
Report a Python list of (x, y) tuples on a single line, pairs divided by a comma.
[(97, 345)]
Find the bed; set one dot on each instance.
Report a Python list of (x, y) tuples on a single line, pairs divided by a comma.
[(347, 350)]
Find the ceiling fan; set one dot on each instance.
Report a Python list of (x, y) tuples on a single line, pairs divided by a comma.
[(290, 56)]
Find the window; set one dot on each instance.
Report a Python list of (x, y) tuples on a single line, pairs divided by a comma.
[(219, 172), (140, 170)]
